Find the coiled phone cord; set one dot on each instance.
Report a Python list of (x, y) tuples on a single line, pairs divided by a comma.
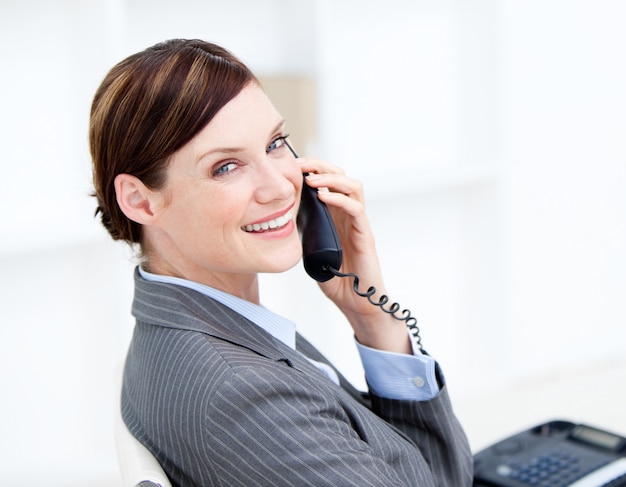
[(410, 321)]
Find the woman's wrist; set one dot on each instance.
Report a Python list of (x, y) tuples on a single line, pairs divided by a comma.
[(381, 332)]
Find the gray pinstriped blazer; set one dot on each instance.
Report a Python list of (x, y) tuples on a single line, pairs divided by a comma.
[(220, 402)]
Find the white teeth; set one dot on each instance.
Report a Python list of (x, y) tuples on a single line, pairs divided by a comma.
[(281, 221)]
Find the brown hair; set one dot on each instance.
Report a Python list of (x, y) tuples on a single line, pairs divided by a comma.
[(149, 106)]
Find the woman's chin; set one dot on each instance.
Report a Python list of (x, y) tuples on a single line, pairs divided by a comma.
[(286, 262)]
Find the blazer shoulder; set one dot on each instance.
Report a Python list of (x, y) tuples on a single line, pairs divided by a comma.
[(176, 307)]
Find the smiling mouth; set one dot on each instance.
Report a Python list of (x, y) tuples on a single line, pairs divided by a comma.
[(269, 225)]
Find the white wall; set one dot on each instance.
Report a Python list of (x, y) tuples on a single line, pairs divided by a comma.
[(490, 138), (564, 113)]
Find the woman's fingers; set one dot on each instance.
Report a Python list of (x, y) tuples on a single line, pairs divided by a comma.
[(324, 175), (336, 189), (313, 165), (337, 183)]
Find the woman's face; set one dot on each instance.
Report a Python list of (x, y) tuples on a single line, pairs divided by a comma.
[(228, 208)]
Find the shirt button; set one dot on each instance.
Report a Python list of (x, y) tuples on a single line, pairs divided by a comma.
[(418, 381)]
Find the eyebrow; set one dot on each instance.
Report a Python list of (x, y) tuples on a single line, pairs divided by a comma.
[(233, 150)]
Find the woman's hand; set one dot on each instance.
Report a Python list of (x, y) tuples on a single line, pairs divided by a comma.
[(345, 200)]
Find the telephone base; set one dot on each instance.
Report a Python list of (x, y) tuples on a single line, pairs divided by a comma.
[(554, 454)]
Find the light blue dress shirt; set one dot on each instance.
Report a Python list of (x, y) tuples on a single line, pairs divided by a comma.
[(388, 374)]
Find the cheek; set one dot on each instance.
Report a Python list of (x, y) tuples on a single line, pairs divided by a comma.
[(297, 178), (216, 215), (186, 209)]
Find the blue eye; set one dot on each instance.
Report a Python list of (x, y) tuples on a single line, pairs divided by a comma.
[(225, 168), (277, 144)]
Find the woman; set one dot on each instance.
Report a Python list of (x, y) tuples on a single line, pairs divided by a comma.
[(191, 162)]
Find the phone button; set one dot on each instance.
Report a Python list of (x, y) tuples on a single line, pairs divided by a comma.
[(504, 470)]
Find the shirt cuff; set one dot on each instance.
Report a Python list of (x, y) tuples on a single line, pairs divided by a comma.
[(399, 376)]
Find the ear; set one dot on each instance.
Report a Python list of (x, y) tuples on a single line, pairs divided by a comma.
[(135, 199)]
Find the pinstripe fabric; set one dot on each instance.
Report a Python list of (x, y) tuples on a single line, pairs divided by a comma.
[(220, 402)]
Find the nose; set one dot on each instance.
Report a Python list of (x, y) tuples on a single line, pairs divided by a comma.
[(277, 179)]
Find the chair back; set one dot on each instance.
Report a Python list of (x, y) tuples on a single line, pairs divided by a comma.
[(138, 466)]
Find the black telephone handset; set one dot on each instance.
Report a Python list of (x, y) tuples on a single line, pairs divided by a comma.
[(321, 249), (557, 453)]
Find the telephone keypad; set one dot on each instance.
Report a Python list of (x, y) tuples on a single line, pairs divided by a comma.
[(557, 468)]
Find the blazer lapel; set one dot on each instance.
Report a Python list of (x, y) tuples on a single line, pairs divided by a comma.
[(178, 307)]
